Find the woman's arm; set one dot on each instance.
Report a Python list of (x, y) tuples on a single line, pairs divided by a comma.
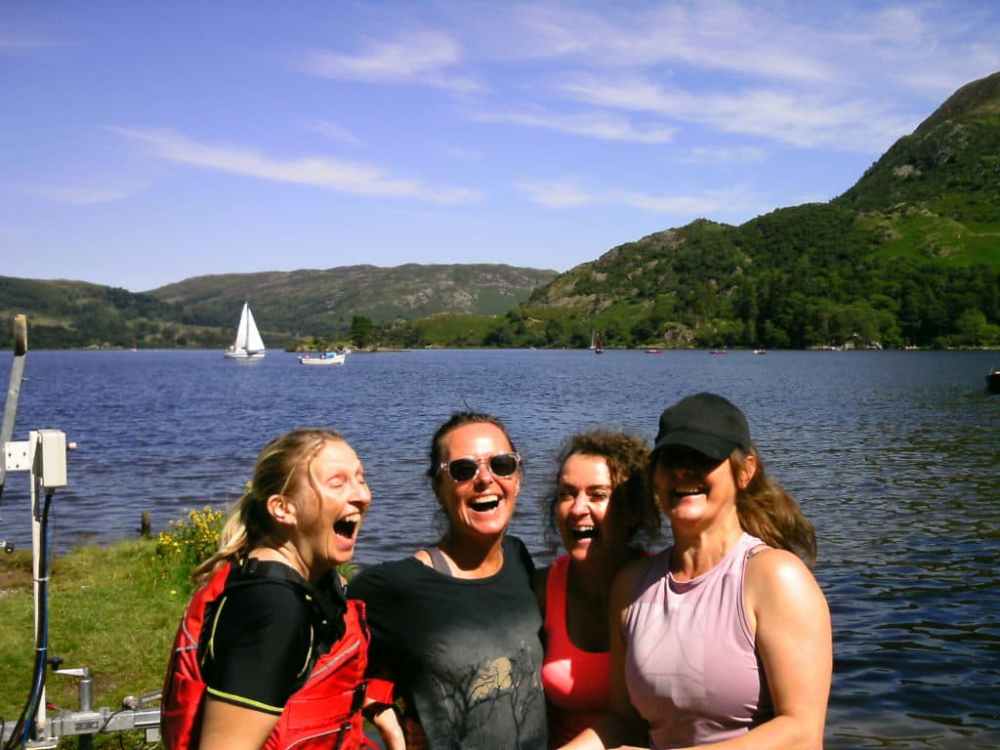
[(621, 724), (793, 633), (225, 726)]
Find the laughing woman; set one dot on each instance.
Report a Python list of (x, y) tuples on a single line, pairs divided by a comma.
[(270, 653), (722, 640), (455, 626), (598, 506)]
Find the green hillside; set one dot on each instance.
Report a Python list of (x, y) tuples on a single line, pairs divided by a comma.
[(323, 302), (910, 255), (203, 311)]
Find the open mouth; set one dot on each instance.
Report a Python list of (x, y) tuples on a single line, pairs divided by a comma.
[(679, 494), (485, 504), (584, 532), (347, 527)]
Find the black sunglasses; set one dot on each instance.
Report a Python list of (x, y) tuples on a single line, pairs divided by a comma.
[(465, 469)]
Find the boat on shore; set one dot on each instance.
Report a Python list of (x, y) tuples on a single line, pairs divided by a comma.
[(326, 358), (993, 381), (248, 343)]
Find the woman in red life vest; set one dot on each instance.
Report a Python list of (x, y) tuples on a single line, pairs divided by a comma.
[(598, 506), (270, 653)]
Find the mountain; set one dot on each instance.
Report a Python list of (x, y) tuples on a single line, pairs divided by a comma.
[(909, 255), (322, 302), (203, 311)]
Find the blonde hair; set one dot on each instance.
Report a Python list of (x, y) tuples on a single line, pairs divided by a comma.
[(275, 473)]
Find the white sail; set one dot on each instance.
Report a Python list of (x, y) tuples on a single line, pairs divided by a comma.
[(241, 329), (254, 343)]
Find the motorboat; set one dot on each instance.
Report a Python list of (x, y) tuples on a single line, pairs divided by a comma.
[(993, 381), (326, 358)]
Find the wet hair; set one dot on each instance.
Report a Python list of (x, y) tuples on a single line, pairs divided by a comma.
[(764, 507), (275, 473), (627, 457), (456, 420)]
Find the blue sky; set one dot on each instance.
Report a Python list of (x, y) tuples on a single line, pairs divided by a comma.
[(144, 143)]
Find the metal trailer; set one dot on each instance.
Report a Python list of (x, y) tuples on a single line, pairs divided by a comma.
[(43, 456)]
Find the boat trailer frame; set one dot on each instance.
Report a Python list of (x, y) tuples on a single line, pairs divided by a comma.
[(43, 456)]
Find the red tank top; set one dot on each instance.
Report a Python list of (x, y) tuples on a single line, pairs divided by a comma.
[(577, 683)]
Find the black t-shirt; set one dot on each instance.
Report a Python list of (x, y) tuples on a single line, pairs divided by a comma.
[(264, 633), (465, 654)]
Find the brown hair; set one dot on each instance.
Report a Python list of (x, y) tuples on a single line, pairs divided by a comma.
[(456, 420), (764, 508), (627, 457), (275, 473), (769, 513)]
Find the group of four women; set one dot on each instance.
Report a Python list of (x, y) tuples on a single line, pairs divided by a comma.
[(721, 640)]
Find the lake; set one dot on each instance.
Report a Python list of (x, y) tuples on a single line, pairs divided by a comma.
[(895, 456)]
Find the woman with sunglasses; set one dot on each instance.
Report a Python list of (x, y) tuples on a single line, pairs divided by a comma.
[(455, 627), (722, 640), (598, 506)]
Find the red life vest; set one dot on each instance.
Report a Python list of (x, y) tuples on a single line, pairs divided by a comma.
[(324, 713)]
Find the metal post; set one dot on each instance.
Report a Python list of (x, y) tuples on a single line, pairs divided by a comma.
[(36, 548)]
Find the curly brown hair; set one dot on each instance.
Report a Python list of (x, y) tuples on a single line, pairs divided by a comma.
[(627, 457)]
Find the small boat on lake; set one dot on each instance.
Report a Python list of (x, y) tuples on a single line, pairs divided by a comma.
[(993, 381), (326, 358), (248, 343), (760, 351), (596, 342)]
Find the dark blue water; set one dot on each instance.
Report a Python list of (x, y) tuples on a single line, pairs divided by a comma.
[(895, 456)]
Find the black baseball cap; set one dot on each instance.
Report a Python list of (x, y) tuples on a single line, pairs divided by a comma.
[(705, 422)]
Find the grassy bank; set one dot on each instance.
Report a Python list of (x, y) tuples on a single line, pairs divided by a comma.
[(113, 609)]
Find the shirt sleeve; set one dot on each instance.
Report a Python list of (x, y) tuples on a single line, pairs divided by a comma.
[(259, 647), (524, 556), (374, 590)]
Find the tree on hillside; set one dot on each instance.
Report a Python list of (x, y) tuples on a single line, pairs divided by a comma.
[(362, 330)]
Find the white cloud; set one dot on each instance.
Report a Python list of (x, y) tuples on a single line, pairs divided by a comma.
[(591, 125), (11, 42), (568, 192), (84, 194), (564, 193), (425, 58), (724, 155), (333, 131), (798, 119), (720, 36), (344, 176)]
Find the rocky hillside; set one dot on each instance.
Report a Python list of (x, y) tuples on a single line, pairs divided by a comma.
[(321, 302)]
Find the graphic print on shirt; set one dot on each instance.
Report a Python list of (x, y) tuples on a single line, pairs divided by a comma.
[(499, 691)]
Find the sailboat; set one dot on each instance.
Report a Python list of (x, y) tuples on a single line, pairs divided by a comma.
[(597, 343), (248, 343)]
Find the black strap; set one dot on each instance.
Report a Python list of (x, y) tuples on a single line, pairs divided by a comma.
[(438, 561)]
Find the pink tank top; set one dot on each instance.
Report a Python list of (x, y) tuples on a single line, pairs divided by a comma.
[(577, 682), (690, 666)]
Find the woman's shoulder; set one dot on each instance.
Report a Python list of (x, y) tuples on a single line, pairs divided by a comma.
[(627, 580), (778, 576), (384, 576)]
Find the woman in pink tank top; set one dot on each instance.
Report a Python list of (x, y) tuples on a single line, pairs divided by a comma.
[(722, 640), (598, 506)]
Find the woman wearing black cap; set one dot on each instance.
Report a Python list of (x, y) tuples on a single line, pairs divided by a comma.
[(724, 639)]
